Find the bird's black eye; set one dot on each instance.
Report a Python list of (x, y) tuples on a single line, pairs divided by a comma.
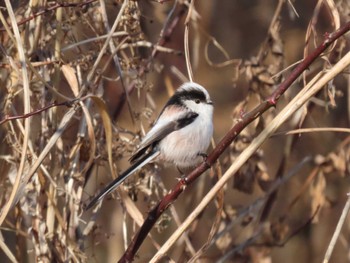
[(197, 101)]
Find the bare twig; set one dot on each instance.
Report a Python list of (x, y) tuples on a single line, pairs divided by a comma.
[(155, 213), (251, 241), (169, 26), (255, 206), (52, 8), (311, 130), (187, 54), (26, 103), (186, 44), (30, 114)]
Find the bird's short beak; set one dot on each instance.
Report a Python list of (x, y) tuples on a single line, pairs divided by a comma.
[(209, 102)]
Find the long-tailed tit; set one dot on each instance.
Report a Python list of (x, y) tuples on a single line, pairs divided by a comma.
[(180, 135)]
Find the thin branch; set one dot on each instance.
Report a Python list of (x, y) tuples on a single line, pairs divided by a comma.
[(250, 241), (187, 54), (168, 27), (51, 8), (186, 43), (26, 105), (155, 213), (255, 206), (313, 130), (116, 58), (30, 114)]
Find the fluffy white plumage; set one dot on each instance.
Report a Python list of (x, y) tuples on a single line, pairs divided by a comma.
[(180, 135), (182, 147)]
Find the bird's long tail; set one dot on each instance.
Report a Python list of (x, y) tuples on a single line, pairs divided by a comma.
[(116, 182)]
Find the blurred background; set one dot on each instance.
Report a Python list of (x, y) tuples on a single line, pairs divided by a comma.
[(240, 51)]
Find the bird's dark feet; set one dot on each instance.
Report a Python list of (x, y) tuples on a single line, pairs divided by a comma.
[(204, 156)]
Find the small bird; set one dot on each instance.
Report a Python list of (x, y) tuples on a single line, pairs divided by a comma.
[(180, 135)]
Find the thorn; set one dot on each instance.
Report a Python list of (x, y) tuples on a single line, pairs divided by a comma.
[(272, 101), (242, 113)]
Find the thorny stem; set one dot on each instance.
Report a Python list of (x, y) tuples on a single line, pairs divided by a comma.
[(54, 104), (271, 101)]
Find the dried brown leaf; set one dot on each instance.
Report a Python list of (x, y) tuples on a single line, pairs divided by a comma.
[(317, 193), (92, 139), (69, 74), (107, 124), (279, 230)]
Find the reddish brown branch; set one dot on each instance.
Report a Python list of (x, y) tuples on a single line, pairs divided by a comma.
[(329, 39), (54, 104), (295, 74), (51, 8), (165, 34), (155, 213), (169, 27)]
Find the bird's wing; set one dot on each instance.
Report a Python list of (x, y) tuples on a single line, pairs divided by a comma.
[(164, 126)]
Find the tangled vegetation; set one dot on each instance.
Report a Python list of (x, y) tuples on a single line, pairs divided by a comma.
[(81, 83)]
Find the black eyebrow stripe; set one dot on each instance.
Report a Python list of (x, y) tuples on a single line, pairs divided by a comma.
[(188, 94), (192, 94)]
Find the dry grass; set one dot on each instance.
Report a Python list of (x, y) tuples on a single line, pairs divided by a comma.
[(81, 82)]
